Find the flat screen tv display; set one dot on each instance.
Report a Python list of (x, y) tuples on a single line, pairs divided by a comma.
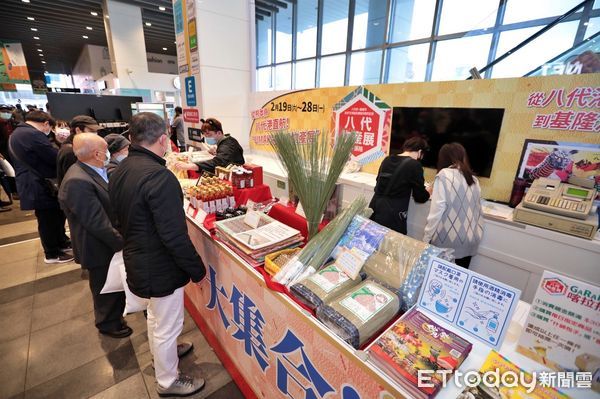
[(477, 129)]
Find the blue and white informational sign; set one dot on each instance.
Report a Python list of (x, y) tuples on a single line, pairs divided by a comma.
[(190, 91), (478, 305), (178, 16)]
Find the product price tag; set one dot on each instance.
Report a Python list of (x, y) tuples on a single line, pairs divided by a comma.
[(250, 205), (191, 211), (200, 216), (350, 263), (252, 219)]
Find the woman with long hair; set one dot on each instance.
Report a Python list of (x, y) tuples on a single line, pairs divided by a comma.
[(455, 220)]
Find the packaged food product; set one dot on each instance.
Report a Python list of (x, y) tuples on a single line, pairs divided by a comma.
[(323, 285), (360, 312)]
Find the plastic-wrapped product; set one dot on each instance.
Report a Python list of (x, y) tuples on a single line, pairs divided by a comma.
[(394, 259), (363, 236), (360, 312), (323, 285), (411, 287)]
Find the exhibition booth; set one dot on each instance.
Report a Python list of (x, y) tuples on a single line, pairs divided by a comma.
[(370, 311)]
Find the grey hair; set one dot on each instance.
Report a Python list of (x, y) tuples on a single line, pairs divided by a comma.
[(146, 128)]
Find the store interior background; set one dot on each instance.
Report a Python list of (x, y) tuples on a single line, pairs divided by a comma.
[(250, 52)]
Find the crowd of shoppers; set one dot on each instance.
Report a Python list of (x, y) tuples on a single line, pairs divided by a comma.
[(138, 210)]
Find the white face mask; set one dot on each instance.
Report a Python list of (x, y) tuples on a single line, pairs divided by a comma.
[(5, 115), (62, 134), (107, 160), (119, 158)]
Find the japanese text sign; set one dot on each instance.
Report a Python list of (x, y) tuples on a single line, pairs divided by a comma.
[(562, 330), (475, 304)]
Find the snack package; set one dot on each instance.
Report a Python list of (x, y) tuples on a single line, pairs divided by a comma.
[(323, 285), (358, 314)]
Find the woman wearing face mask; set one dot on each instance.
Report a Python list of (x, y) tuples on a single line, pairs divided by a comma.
[(228, 151), (60, 133), (118, 146)]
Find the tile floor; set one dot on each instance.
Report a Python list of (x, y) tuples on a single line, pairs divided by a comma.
[(48, 343)]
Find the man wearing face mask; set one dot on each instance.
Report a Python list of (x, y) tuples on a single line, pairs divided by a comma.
[(66, 157), (228, 151), (83, 196), (159, 256), (118, 146), (34, 159)]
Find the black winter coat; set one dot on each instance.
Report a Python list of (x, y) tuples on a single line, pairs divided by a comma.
[(229, 151), (83, 196), (66, 158), (148, 203), (29, 145)]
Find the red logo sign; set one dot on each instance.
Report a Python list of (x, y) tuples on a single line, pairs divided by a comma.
[(191, 115), (362, 118), (554, 286)]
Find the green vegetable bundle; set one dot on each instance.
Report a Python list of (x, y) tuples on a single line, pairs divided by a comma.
[(313, 169)]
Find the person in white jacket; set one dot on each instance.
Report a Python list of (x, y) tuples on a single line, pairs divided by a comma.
[(455, 219)]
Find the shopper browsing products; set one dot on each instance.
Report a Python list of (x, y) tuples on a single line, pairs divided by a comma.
[(228, 150), (456, 192), (118, 146), (159, 257), (398, 177), (83, 196), (34, 160), (66, 158)]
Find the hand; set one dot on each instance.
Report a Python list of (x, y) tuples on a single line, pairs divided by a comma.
[(212, 151), (186, 165), (429, 188)]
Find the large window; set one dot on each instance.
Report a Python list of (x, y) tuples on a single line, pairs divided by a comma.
[(302, 44)]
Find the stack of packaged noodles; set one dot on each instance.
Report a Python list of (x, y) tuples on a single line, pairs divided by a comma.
[(360, 312), (253, 244), (413, 343)]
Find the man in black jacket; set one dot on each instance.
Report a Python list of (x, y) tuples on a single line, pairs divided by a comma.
[(34, 159), (84, 198), (159, 257), (66, 157), (228, 151)]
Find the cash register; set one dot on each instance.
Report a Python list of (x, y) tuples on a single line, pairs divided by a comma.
[(560, 206)]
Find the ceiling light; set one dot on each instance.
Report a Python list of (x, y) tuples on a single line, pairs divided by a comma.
[(89, 28), (85, 37), (25, 1), (94, 13), (164, 48), (34, 29), (108, 17), (43, 62), (31, 18), (40, 50), (41, 55), (162, 8), (148, 24), (36, 38)]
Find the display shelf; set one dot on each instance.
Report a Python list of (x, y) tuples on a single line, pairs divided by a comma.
[(339, 364)]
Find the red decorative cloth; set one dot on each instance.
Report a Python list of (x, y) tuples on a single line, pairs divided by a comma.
[(259, 193)]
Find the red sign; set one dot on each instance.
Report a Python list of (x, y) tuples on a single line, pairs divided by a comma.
[(191, 115), (554, 286), (362, 118)]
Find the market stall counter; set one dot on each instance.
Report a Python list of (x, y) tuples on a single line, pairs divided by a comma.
[(274, 348)]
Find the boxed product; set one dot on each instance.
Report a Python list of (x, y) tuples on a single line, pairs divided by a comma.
[(360, 312), (413, 343)]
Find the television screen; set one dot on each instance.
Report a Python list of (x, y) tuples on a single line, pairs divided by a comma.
[(477, 129)]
